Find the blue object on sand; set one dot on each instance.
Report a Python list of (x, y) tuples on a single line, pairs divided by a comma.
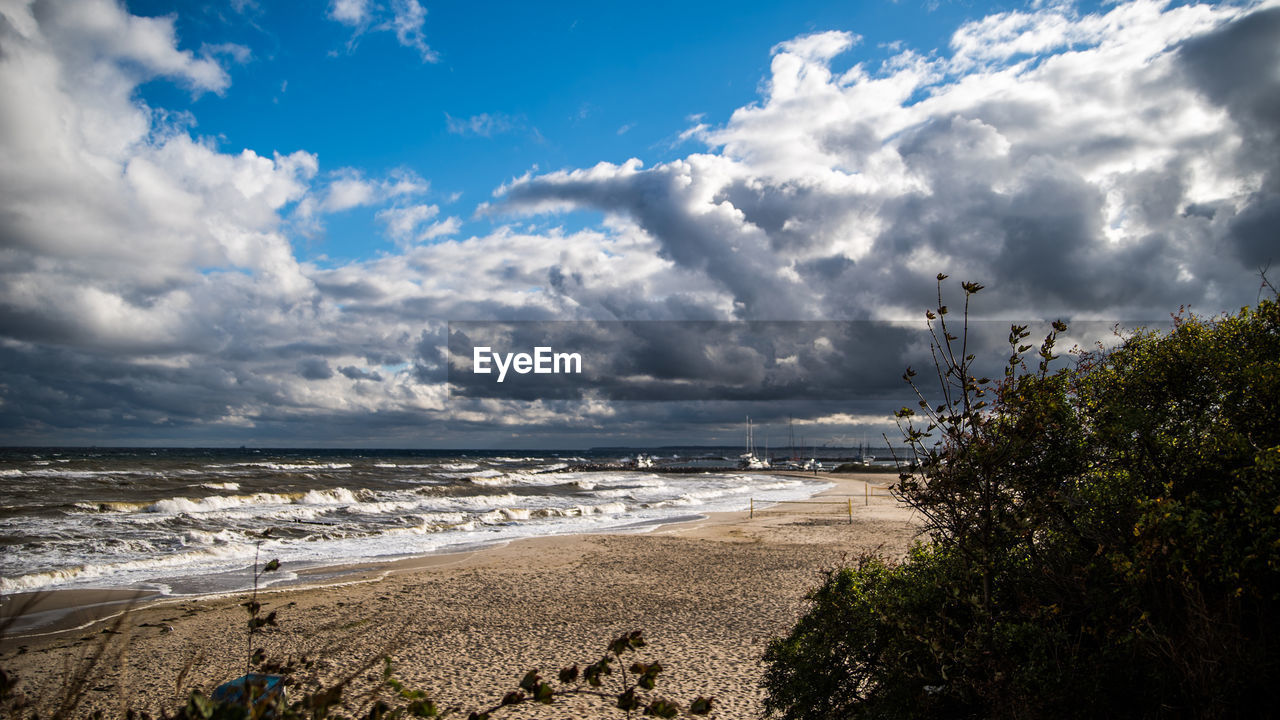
[(267, 690)]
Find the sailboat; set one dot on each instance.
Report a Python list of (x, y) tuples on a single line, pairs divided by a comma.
[(748, 459), (864, 454), (812, 464)]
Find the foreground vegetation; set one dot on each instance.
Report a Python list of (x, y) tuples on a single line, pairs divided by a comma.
[(1103, 540), (289, 689)]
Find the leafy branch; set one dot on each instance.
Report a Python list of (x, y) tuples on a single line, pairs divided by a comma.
[(961, 450), (634, 681)]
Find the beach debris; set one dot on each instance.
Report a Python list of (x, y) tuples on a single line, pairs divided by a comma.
[(267, 692)]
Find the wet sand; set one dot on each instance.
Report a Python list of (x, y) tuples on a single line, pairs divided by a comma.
[(708, 596)]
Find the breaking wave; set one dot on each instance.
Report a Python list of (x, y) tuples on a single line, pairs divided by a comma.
[(118, 525)]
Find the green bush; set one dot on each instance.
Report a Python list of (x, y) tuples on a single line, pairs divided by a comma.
[(1102, 540)]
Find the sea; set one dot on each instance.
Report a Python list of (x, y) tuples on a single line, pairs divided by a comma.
[(195, 521)]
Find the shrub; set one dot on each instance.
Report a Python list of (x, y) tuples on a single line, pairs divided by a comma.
[(1101, 539)]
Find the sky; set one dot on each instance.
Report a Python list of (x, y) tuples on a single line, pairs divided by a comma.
[(265, 224)]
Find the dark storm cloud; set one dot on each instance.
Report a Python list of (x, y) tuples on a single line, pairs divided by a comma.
[(354, 373), (314, 369), (1235, 66), (791, 214), (710, 241), (1238, 68), (1039, 243), (856, 364), (62, 389), (1256, 231)]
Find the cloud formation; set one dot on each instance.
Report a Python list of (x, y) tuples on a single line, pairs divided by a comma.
[(355, 13), (406, 18), (484, 124), (1081, 165), (1111, 166)]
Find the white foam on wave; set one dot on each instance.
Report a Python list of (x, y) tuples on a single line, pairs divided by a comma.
[(297, 467), (383, 507), (436, 522), (173, 506), (534, 479), (75, 474), (505, 515), (475, 476), (602, 509), (129, 568), (458, 467), (218, 503), (367, 525), (516, 514), (479, 502), (335, 496), (205, 537), (444, 518), (419, 466), (498, 479)]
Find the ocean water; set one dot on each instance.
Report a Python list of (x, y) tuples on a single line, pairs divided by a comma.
[(183, 521)]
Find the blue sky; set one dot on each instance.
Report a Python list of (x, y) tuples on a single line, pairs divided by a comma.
[(253, 223)]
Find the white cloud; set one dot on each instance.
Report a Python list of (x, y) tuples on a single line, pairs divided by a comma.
[(407, 21), (235, 52), (406, 18), (484, 124), (449, 226), (348, 192), (817, 48), (124, 210), (409, 224), (350, 12), (140, 47), (1051, 155), (350, 189)]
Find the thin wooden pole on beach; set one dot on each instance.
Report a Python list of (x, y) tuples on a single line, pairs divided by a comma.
[(753, 508), (850, 510), (866, 492)]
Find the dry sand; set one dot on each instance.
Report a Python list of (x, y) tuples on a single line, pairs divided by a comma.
[(708, 595)]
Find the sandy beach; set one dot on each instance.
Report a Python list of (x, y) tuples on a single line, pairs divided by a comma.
[(708, 596)]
